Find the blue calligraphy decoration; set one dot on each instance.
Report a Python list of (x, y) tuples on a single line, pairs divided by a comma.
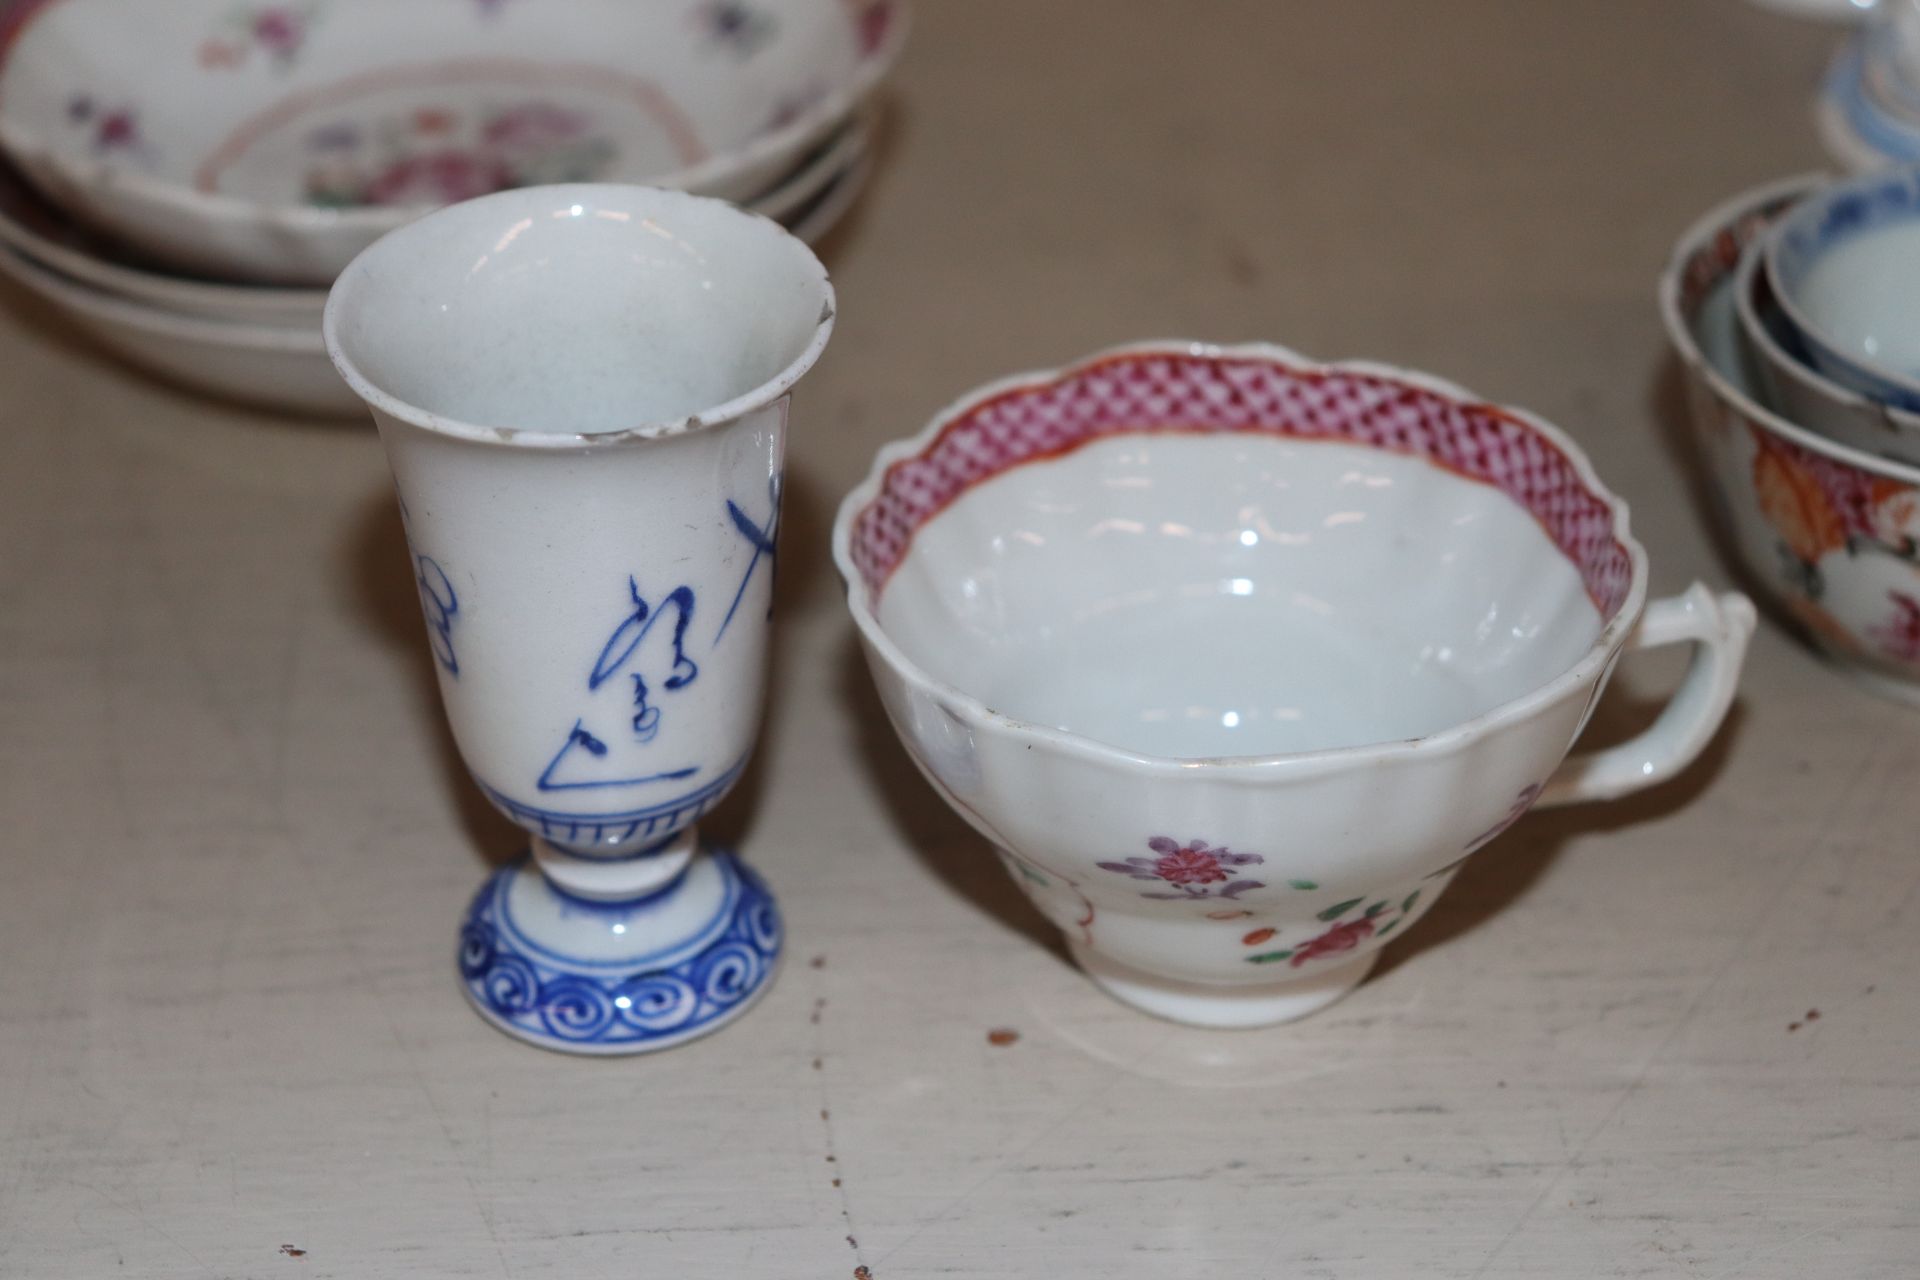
[(627, 638), (439, 602), (585, 760), (761, 538)]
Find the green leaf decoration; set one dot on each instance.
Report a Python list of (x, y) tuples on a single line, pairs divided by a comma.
[(1339, 909), (1268, 957), (1025, 872), (1374, 910), (1388, 927), (1411, 899), (1302, 884)]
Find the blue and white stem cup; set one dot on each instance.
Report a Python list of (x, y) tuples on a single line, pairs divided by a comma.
[(583, 393)]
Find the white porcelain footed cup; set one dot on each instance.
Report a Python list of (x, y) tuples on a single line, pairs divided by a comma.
[(583, 393), (1235, 657)]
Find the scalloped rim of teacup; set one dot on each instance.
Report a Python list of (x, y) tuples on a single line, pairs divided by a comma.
[(729, 410), (1680, 330), (92, 173), (1250, 768)]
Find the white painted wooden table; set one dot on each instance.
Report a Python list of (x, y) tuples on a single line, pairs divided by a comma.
[(239, 841)]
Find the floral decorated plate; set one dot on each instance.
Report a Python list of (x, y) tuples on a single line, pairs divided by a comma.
[(38, 232), (824, 166), (272, 141), (822, 213), (279, 362), (41, 234), (279, 367)]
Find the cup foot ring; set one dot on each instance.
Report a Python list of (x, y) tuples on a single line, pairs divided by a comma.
[(1223, 1007), (607, 978)]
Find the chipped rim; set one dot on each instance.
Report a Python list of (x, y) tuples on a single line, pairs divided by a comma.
[(385, 402)]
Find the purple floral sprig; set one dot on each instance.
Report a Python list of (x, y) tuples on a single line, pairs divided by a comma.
[(1195, 869)]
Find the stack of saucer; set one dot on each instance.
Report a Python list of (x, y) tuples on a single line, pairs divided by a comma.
[(1794, 307), (184, 181)]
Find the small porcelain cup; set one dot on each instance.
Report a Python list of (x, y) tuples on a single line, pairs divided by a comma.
[(1800, 392), (1844, 267), (1235, 657), (583, 393)]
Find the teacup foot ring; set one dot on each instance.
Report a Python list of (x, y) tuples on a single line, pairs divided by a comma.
[(583, 976), (1224, 1007)]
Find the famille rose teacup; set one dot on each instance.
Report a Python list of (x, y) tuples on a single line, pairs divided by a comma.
[(1235, 657), (583, 394)]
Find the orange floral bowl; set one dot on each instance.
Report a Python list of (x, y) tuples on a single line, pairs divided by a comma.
[(1829, 534)]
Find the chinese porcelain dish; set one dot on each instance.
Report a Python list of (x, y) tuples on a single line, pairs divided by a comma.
[(261, 345), (1829, 533), (40, 233), (272, 142), (1844, 267), (1235, 657), (279, 367)]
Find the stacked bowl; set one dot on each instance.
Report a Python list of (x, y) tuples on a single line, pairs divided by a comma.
[(1793, 308), (185, 180)]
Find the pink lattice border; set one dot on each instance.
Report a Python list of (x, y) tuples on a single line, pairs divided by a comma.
[(1178, 392)]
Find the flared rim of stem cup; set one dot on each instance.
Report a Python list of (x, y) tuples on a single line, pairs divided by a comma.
[(652, 207)]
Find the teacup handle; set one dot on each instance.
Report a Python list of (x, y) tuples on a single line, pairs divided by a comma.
[(1718, 627)]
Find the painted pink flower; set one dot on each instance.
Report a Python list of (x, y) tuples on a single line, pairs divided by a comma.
[(1188, 867), (1342, 937), (1380, 918), (1899, 636), (437, 177), (873, 22), (116, 129), (279, 31)]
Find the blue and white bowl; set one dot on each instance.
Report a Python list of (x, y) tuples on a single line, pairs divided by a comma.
[(1845, 268)]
